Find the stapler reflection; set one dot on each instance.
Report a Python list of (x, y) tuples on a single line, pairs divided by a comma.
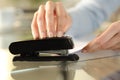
[(31, 50)]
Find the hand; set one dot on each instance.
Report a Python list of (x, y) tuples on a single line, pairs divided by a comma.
[(51, 20), (108, 40)]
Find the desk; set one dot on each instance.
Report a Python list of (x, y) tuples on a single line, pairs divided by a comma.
[(94, 69)]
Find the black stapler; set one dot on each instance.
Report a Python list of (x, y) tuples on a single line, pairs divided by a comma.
[(30, 50)]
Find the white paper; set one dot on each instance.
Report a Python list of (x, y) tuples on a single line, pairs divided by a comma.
[(86, 56)]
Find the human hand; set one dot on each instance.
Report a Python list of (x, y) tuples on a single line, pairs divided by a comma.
[(51, 20), (108, 40)]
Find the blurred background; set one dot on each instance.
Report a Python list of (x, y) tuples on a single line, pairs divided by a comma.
[(16, 17)]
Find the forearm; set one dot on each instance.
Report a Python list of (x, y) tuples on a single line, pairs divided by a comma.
[(88, 15)]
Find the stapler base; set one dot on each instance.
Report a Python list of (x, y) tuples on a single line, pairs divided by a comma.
[(70, 57)]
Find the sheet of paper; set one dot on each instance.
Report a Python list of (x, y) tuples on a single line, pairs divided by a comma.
[(86, 56)]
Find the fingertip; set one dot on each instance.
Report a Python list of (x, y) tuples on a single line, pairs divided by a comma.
[(84, 51), (50, 34), (35, 35), (43, 35), (36, 38), (59, 34)]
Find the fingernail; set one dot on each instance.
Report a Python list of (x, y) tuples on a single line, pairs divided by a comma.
[(35, 35), (60, 34), (43, 35), (51, 34)]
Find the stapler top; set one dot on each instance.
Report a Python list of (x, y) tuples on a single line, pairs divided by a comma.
[(29, 50)]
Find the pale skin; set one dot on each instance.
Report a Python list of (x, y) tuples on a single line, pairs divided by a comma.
[(52, 20), (108, 40)]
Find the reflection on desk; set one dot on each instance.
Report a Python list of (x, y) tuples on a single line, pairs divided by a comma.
[(50, 71), (91, 69)]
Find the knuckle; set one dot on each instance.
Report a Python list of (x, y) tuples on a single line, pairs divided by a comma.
[(49, 6), (41, 6), (49, 3), (116, 24), (59, 3)]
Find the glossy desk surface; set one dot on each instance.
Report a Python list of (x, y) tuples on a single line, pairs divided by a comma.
[(93, 69)]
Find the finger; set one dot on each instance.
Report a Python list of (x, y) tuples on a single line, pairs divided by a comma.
[(68, 23), (114, 41), (112, 30), (61, 19), (41, 22), (88, 49), (50, 25), (115, 47), (34, 27), (99, 42)]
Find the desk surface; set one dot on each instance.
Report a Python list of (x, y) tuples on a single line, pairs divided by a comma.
[(94, 69)]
